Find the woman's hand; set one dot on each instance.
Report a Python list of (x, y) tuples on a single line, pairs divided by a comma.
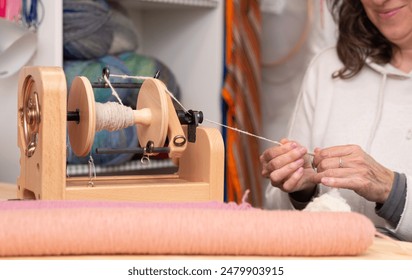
[(350, 167), (288, 167)]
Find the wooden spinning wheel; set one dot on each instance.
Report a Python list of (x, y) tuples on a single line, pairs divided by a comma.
[(46, 114)]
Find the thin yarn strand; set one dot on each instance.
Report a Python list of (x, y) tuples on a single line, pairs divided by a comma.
[(114, 93), (207, 120), (229, 127), (244, 132)]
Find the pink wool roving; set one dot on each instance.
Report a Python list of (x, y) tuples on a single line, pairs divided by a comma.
[(42, 228)]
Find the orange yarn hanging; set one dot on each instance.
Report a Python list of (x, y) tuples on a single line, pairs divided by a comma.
[(240, 94), (70, 228)]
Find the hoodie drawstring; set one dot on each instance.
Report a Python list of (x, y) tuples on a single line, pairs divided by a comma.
[(378, 115)]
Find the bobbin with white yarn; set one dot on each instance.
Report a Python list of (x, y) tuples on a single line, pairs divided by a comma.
[(112, 116), (151, 117)]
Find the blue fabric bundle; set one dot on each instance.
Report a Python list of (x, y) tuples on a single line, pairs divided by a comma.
[(93, 28)]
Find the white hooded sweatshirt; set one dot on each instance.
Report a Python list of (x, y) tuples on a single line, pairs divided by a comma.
[(372, 109)]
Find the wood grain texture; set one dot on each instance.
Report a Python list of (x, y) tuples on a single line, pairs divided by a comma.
[(46, 168), (43, 175)]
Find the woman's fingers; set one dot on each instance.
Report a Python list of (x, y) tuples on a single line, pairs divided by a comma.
[(278, 176), (278, 157), (352, 168), (333, 157)]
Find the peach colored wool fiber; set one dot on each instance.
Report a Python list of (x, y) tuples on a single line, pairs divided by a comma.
[(41, 228)]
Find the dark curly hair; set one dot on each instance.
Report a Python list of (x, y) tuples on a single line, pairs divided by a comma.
[(358, 38)]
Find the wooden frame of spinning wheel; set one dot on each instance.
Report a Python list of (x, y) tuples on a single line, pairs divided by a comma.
[(42, 125)]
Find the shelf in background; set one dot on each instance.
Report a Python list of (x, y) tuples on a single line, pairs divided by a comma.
[(149, 4)]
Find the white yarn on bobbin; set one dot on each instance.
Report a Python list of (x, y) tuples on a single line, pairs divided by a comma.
[(112, 116)]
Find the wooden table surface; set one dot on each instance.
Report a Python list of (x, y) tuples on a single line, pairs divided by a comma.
[(381, 249), (7, 191)]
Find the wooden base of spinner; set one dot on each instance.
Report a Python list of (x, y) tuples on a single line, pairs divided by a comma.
[(42, 126)]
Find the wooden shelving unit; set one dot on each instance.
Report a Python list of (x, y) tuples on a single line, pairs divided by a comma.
[(149, 4)]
